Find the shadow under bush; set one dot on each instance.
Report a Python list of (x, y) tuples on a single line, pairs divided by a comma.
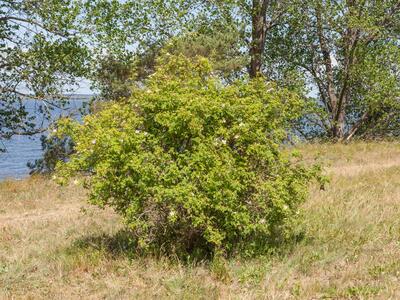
[(115, 245), (123, 244)]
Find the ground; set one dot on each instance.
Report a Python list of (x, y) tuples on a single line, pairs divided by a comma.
[(53, 245)]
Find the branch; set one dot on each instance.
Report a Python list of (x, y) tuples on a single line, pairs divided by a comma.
[(29, 133), (356, 126), (4, 65), (320, 84), (30, 96), (32, 22)]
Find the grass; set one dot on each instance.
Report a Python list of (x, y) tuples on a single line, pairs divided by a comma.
[(53, 245)]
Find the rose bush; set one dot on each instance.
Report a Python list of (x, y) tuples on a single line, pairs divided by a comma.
[(191, 162)]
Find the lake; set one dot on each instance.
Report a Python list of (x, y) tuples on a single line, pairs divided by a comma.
[(21, 149)]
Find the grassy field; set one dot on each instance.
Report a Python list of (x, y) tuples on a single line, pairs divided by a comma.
[(54, 246)]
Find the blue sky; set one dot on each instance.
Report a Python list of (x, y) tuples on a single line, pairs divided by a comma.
[(84, 87)]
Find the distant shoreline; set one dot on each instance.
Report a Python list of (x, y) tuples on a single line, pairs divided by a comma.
[(72, 97)]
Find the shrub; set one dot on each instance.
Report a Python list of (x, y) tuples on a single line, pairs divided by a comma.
[(193, 163), (54, 150)]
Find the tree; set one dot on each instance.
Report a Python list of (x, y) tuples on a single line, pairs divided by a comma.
[(265, 14), (350, 55), (132, 27), (217, 42), (112, 74), (41, 58), (255, 18), (343, 55), (113, 77)]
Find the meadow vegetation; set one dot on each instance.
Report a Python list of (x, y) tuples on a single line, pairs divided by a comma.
[(54, 245)]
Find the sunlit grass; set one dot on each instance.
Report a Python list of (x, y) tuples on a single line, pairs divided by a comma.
[(53, 245)]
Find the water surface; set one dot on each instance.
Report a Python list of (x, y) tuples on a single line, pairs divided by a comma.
[(22, 149)]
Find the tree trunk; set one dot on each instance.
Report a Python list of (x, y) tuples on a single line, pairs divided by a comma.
[(338, 126), (336, 112), (259, 29), (351, 40)]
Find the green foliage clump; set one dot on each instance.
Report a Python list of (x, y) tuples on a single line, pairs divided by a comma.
[(192, 163)]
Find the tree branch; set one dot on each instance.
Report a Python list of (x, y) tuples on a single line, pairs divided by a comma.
[(356, 127), (32, 22)]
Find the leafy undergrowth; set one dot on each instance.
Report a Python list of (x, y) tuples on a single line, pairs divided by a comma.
[(53, 245)]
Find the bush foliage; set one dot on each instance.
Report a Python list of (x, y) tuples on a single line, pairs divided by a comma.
[(192, 163)]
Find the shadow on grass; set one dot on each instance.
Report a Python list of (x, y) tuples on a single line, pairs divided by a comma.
[(123, 244), (119, 244)]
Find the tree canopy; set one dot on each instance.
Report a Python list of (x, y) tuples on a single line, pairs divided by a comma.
[(348, 53), (42, 58), (342, 56)]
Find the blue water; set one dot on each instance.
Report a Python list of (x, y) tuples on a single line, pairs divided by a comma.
[(22, 149)]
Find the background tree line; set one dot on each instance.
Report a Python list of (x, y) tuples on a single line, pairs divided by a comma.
[(342, 56)]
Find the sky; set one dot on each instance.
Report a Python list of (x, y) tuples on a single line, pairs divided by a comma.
[(84, 87)]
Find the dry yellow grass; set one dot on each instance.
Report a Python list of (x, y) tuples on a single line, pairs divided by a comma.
[(53, 245)]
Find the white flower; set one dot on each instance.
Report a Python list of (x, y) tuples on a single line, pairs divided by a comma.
[(285, 207), (172, 213), (94, 142), (262, 221), (241, 124), (236, 136), (219, 140), (137, 131)]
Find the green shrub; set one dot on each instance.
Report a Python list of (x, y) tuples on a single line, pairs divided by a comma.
[(193, 163)]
